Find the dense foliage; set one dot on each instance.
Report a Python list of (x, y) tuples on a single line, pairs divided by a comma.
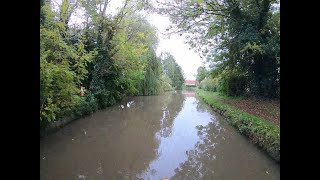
[(173, 71), (111, 55), (209, 84), (202, 73), (238, 37)]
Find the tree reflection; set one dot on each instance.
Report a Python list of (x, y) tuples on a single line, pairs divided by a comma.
[(120, 141), (172, 106), (201, 106), (153, 117), (204, 157)]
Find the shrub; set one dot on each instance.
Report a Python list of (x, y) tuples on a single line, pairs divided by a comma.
[(107, 98), (56, 89), (209, 84), (233, 84), (166, 83), (78, 108), (85, 105), (167, 86), (91, 103)]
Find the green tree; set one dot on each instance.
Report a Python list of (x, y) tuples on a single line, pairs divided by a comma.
[(133, 38), (111, 55), (202, 73), (172, 69), (240, 36), (62, 67), (151, 83)]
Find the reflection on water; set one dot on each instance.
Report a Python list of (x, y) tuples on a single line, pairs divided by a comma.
[(189, 93), (218, 155), (152, 137), (173, 149)]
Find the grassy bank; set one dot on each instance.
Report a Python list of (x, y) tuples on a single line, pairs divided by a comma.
[(268, 109), (263, 133), (188, 88)]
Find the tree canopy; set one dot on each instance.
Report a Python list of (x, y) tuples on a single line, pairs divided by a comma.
[(172, 69), (241, 38), (110, 54)]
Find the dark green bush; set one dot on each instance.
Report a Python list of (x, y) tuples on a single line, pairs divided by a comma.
[(102, 99), (107, 98), (233, 85), (92, 104), (83, 106), (80, 108)]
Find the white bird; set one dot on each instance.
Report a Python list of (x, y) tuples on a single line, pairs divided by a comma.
[(81, 176), (84, 131)]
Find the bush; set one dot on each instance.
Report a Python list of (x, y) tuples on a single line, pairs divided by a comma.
[(167, 87), (209, 84), (91, 103), (56, 89), (166, 83), (233, 84), (85, 105), (107, 98), (82, 106)]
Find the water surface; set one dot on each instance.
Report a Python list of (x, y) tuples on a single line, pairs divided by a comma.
[(174, 135)]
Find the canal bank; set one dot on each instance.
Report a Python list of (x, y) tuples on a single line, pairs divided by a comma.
[(261, 132)]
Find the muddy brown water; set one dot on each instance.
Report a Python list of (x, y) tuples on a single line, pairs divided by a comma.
[(174, 136)]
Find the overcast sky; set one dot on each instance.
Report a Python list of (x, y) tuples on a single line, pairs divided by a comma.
[(185, 57)]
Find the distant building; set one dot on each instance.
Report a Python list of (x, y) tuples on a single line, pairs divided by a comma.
[(191, 83)]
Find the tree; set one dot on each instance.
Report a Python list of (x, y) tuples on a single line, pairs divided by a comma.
[(111, 55), (134, 38), (241, 36), (62, 67), (172, 70), (151, 83), (201, 73)]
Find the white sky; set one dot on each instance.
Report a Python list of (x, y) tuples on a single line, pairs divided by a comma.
[(185, 57)]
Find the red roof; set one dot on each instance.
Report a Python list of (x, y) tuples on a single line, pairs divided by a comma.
[(190, 82)]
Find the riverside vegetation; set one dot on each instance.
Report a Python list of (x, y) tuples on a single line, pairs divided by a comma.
[(111, 55)]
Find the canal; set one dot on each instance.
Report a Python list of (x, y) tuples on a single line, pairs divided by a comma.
[(174, 135)]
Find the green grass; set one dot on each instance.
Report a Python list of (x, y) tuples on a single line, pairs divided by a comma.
[(188, 88), (263, 133), (222, 96)]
